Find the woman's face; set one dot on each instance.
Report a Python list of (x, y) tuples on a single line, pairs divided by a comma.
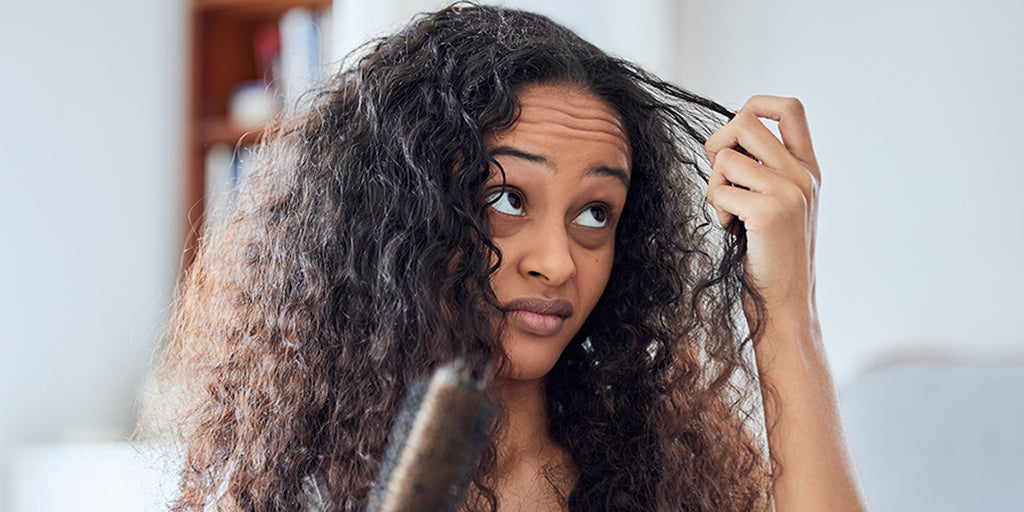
[(567, 171)]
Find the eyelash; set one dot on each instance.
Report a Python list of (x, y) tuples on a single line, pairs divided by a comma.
[(496, 195), (605, 213)]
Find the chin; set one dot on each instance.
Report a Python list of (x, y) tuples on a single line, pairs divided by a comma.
[(531, 359), (521, 372)]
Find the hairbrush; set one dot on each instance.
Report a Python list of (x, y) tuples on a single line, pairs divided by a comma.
[(435, 442)]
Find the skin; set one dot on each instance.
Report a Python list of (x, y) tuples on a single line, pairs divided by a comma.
[(777, 199), (568, 154), (566, 171)]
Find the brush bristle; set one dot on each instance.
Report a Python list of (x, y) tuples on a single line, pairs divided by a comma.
[(434, 444)]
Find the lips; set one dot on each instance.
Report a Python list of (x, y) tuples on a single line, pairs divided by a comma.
[(539, 316)]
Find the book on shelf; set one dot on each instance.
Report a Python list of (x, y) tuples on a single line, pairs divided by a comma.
[(290, 55)]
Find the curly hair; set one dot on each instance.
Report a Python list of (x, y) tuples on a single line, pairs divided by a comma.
[(356, 260)]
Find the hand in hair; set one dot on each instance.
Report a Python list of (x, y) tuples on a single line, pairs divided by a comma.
[(776, 195), (773, 189)]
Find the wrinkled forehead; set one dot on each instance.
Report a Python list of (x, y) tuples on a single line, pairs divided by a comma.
[(571, 113)]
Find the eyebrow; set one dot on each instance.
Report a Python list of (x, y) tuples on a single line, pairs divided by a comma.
[(601, 170)]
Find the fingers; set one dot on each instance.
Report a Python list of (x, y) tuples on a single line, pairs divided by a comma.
[(732, 169), (773, 188), (747, 131), (734, 173), (730, 202), (789, 113), (735, 168), (773, 166), (716, 181)]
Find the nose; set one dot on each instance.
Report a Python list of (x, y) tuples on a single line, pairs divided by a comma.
[(548, 254)]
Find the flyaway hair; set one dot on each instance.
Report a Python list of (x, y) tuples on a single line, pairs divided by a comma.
[(357, 260)]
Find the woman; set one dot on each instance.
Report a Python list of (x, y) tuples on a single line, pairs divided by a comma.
[(485, 184)]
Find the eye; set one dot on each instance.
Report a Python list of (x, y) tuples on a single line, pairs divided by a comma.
[(506, 201), (594, 216)]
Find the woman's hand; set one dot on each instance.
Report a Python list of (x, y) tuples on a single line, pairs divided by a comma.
[(773, 189)]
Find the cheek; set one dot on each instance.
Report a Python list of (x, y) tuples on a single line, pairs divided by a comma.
[(499, 276), (597, 240), (594, 272), (502, 225)]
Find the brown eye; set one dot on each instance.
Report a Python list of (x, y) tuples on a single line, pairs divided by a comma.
[(507, 202), (595, 216)]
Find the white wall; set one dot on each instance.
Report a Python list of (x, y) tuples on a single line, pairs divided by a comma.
[(640, 30), (90, 138), (915, 107)]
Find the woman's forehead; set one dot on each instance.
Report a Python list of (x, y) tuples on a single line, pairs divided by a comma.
[(569, 114), (574, 108)]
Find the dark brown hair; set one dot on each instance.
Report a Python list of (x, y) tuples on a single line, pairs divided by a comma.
[(356, 260)]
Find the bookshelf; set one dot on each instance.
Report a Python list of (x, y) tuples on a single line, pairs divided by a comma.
[(222, 56)]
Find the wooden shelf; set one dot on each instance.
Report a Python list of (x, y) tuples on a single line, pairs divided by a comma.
[(221, 56), (256, 7), (219, 130)]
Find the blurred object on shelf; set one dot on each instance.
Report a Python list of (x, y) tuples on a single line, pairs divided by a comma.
[(253, 104)]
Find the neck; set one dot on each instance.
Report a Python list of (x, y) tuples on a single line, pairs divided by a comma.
[(532, 471), (525, 404)]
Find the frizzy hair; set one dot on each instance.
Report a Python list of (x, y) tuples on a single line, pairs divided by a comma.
[(356, 260)]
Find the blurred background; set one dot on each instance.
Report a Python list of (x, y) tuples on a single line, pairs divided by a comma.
[(108, 147)]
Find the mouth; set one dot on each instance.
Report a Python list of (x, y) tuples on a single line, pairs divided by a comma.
[(539, 316)]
